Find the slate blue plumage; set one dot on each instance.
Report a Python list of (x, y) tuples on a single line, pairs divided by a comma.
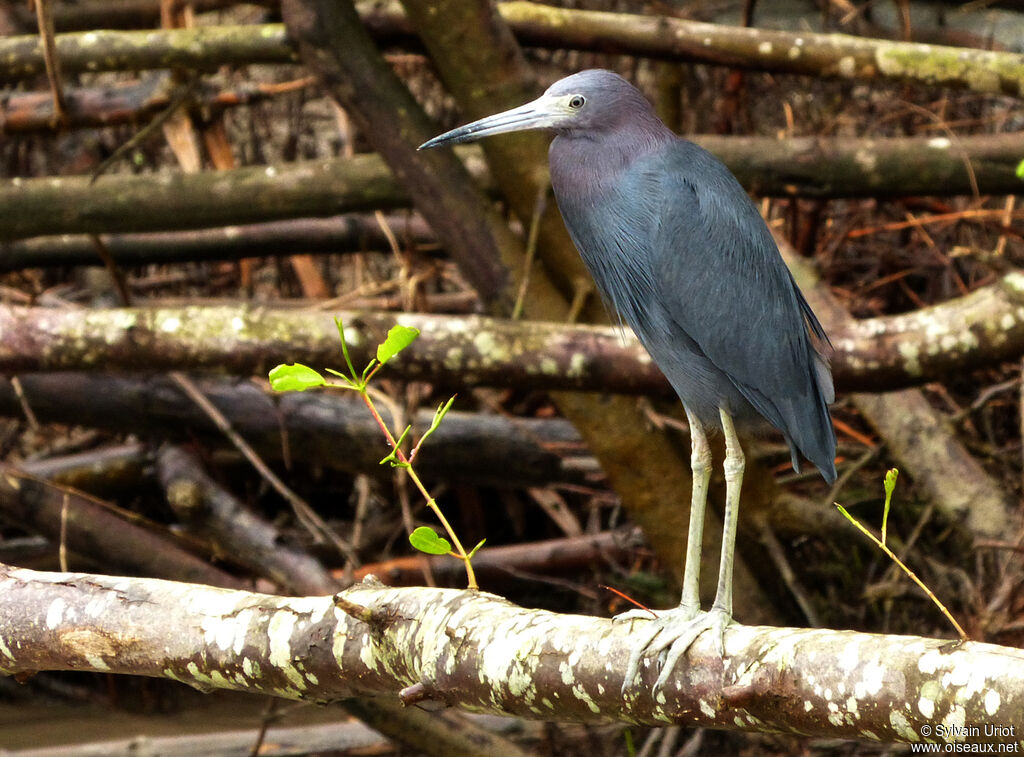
[(682, 254)]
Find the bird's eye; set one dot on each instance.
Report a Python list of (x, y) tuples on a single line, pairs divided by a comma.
[(577, 101)]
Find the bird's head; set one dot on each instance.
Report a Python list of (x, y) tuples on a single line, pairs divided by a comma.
[(584, 103)]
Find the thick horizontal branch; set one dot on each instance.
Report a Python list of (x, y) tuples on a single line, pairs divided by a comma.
[(478, 651), (895, 167), (452, 350), (878, 354), (323, 429), (815, 54), (795, 167), (124, 102), (176, 200), (354, 232), (202, 47), (82, 15), (664, 37), (982, 328)]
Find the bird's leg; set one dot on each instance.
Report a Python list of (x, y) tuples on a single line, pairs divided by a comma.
[(671, 626), (700, 465), (735, 462), (677, 630)]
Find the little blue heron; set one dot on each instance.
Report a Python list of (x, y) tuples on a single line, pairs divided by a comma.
[(682, 254)]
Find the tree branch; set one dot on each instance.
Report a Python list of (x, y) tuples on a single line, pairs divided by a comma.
[(835, 55), (322, 429), (478, 651), (174, 200), (354, 232), (652, 36), (982, 328), (203, 47), (91, 527)]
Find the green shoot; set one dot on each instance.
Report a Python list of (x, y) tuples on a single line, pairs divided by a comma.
[(344, 349), (442, 411), (890, 485), (393, 455), (301, 377), (627, 736), (476, 548), (1020, 170)]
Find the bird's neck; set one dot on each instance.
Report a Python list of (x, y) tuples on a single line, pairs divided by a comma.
[(589, 163)]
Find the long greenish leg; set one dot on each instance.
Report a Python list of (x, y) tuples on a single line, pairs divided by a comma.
[(676, 630), (700, 465), (734, 465)]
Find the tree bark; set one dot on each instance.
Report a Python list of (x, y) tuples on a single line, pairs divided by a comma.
[(354, 232), (478, 651), (831, 55), (497, 564), (177, 200), (980, 329), (204, 48), (323, 429), (926, 446), (781, 168), (123, 103), (211, 512), (92, 528), (536, 25), (119, 14)]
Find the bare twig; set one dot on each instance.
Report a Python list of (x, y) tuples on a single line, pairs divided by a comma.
[(305, 514), (44, 17)]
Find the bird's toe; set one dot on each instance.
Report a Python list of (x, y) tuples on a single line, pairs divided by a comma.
[(716, 621), (639, 614), (659, 633)]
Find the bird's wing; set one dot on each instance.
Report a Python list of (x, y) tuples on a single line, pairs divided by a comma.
[(725, 285)]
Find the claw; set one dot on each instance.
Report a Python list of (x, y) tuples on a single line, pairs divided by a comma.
[(656, 635), (673, 630), (715, 620)]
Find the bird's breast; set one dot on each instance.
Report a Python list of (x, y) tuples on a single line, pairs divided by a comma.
[(611, 221)]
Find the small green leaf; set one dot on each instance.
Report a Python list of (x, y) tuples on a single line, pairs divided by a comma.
[(425, 539), (1020, 170), (475, 549), (399, 337), (294, 378)]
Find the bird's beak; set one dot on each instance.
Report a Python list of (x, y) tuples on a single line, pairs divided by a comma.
[(544, 112)]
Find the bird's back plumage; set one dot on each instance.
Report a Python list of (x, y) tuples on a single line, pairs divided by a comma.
[(680, 251)]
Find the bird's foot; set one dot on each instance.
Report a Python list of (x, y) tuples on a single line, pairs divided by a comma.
[(670, 634)]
